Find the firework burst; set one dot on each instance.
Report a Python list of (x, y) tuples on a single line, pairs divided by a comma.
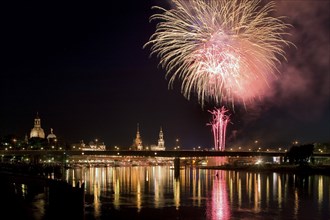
[(219, 122), (221, 50)]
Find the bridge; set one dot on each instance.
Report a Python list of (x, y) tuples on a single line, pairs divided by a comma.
[(182, 153)]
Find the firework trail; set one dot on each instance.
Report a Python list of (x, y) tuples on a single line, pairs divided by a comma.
[(221, 50), (219, 126)]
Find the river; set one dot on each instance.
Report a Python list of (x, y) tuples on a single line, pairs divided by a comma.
[(153, 192)]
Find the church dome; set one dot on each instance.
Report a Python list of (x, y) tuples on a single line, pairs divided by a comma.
[(51, 135), (37, 131)]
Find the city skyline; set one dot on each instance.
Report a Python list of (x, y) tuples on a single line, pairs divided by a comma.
[(82, 67)]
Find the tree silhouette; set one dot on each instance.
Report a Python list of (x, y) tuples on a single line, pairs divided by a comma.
[(300, 154)]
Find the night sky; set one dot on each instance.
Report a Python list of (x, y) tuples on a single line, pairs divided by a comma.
[(83, 68)]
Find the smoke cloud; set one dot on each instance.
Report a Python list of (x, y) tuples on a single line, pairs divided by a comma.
[(301, 94)]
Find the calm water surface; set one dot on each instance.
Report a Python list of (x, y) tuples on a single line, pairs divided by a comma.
[(153, 192)]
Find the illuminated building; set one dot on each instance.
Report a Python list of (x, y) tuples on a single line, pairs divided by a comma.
[(161, 142), (95, 145), (37, 131), (137, 144), (51, 137), (79, 146)]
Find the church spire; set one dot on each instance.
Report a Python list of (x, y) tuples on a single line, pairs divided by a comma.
[(138, 140)]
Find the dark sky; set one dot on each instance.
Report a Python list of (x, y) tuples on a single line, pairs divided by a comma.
[(83, 68)]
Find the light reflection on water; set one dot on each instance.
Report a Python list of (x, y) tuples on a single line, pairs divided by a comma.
[(228, 195)]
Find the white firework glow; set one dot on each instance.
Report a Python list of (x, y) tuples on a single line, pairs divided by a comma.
[(222, 50)]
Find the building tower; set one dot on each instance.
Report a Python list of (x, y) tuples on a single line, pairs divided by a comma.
[(37, 131), (51, 137), (138, 140), (161, 142)]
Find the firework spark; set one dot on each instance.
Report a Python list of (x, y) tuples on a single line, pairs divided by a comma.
[(219, 126), (222, 50)]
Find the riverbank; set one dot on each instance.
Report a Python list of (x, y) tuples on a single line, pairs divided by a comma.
[(279, 168), (31, 192)]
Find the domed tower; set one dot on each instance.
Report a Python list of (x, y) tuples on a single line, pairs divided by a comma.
[(37, 131), (161, 142), (51, 137)]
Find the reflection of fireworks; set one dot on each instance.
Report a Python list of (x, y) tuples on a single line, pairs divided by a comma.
[(218, 205), (222, 50), (219, 125)]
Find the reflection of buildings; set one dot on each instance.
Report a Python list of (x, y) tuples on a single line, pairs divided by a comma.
[(229, 195)]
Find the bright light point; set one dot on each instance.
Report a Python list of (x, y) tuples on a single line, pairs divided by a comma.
[(258, 162)]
